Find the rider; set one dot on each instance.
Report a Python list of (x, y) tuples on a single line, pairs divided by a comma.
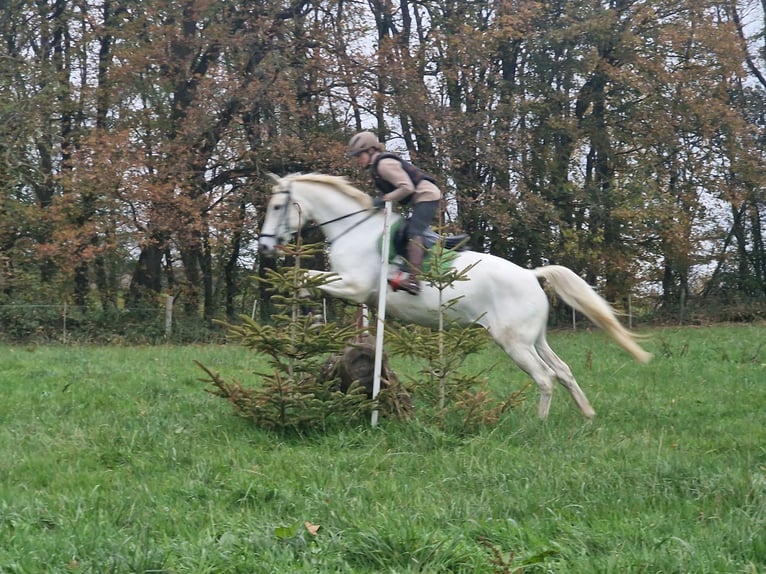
[(400, 181)]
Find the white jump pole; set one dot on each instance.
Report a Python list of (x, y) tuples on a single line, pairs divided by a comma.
[(381, 322)]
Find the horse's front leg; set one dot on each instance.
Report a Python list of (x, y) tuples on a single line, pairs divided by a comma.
[(343, 286)]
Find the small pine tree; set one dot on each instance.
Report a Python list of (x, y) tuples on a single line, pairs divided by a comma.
[(294, 395)]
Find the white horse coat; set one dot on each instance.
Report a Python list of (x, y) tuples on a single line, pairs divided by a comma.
[(502, 297)]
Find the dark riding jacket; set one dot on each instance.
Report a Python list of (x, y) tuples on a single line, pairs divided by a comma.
[(401, 181)]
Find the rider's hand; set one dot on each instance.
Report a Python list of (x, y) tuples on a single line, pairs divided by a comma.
[(378, 202)]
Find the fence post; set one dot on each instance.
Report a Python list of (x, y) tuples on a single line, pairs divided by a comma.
[(168, 316), (64, 320)]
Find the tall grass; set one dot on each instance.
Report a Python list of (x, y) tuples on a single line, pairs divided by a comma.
[(116, 460)]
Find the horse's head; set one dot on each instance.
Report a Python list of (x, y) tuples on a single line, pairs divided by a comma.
[(328, 200), (283, 217)]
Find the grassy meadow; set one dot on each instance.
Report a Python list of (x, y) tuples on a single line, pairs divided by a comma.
[(115, 460)]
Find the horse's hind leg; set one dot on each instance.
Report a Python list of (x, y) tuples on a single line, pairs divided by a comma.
[(526, 357), (565, 377)]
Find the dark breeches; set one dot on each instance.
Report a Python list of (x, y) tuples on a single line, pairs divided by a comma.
[(423, 214)]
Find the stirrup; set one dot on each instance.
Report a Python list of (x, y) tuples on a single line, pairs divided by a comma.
[(411, 284), (400, 280)]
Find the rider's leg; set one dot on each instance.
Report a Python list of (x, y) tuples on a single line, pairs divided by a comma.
[(423, 214), (415, 253)]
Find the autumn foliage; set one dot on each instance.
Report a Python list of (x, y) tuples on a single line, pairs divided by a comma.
[(622, 139)]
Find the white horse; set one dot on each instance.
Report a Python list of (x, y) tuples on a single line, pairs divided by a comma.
[(504, 298)]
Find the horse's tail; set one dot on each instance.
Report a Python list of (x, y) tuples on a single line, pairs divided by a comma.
[(579, 295)]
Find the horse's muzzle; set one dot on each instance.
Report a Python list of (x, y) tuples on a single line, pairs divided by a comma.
[(268, 245)]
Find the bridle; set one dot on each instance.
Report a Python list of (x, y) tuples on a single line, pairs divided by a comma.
[(283, 221)]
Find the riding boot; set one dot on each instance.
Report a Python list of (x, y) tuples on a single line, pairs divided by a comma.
[(415, 255)]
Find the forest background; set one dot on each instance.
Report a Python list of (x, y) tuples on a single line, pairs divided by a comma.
[(623, 139)]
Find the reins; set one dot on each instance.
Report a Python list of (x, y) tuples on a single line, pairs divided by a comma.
[(348, 229)]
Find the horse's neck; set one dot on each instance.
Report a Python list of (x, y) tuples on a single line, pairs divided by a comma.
[(327, 213), (352, 231), (335, 214)]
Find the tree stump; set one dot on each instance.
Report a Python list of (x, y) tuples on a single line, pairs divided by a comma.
[(356, 364)]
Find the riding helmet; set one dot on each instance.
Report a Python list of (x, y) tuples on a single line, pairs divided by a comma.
[(361, 142)]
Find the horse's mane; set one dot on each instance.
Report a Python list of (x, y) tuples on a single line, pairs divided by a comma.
[(338, 182)]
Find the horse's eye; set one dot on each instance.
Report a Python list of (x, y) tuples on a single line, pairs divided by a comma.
[(277, 207)]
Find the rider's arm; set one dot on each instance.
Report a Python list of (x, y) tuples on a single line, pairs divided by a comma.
[(392, 171)]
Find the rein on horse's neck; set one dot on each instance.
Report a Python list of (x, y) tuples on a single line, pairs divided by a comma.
[(339, 218), (348, 229)]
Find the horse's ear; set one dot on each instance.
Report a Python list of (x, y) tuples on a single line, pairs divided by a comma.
[(273, 176)]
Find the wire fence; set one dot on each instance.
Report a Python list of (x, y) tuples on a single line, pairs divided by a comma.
[(169, 322), (63, 322)]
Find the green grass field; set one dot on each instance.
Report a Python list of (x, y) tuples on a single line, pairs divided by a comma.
[(115, 460)]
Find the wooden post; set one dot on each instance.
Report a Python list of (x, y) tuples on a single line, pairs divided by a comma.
[(168, 316), (64, 320)]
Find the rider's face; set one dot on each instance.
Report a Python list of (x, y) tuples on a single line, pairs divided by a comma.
[(363, 159)]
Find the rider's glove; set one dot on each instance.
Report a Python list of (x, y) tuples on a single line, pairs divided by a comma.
[(378, 202)]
